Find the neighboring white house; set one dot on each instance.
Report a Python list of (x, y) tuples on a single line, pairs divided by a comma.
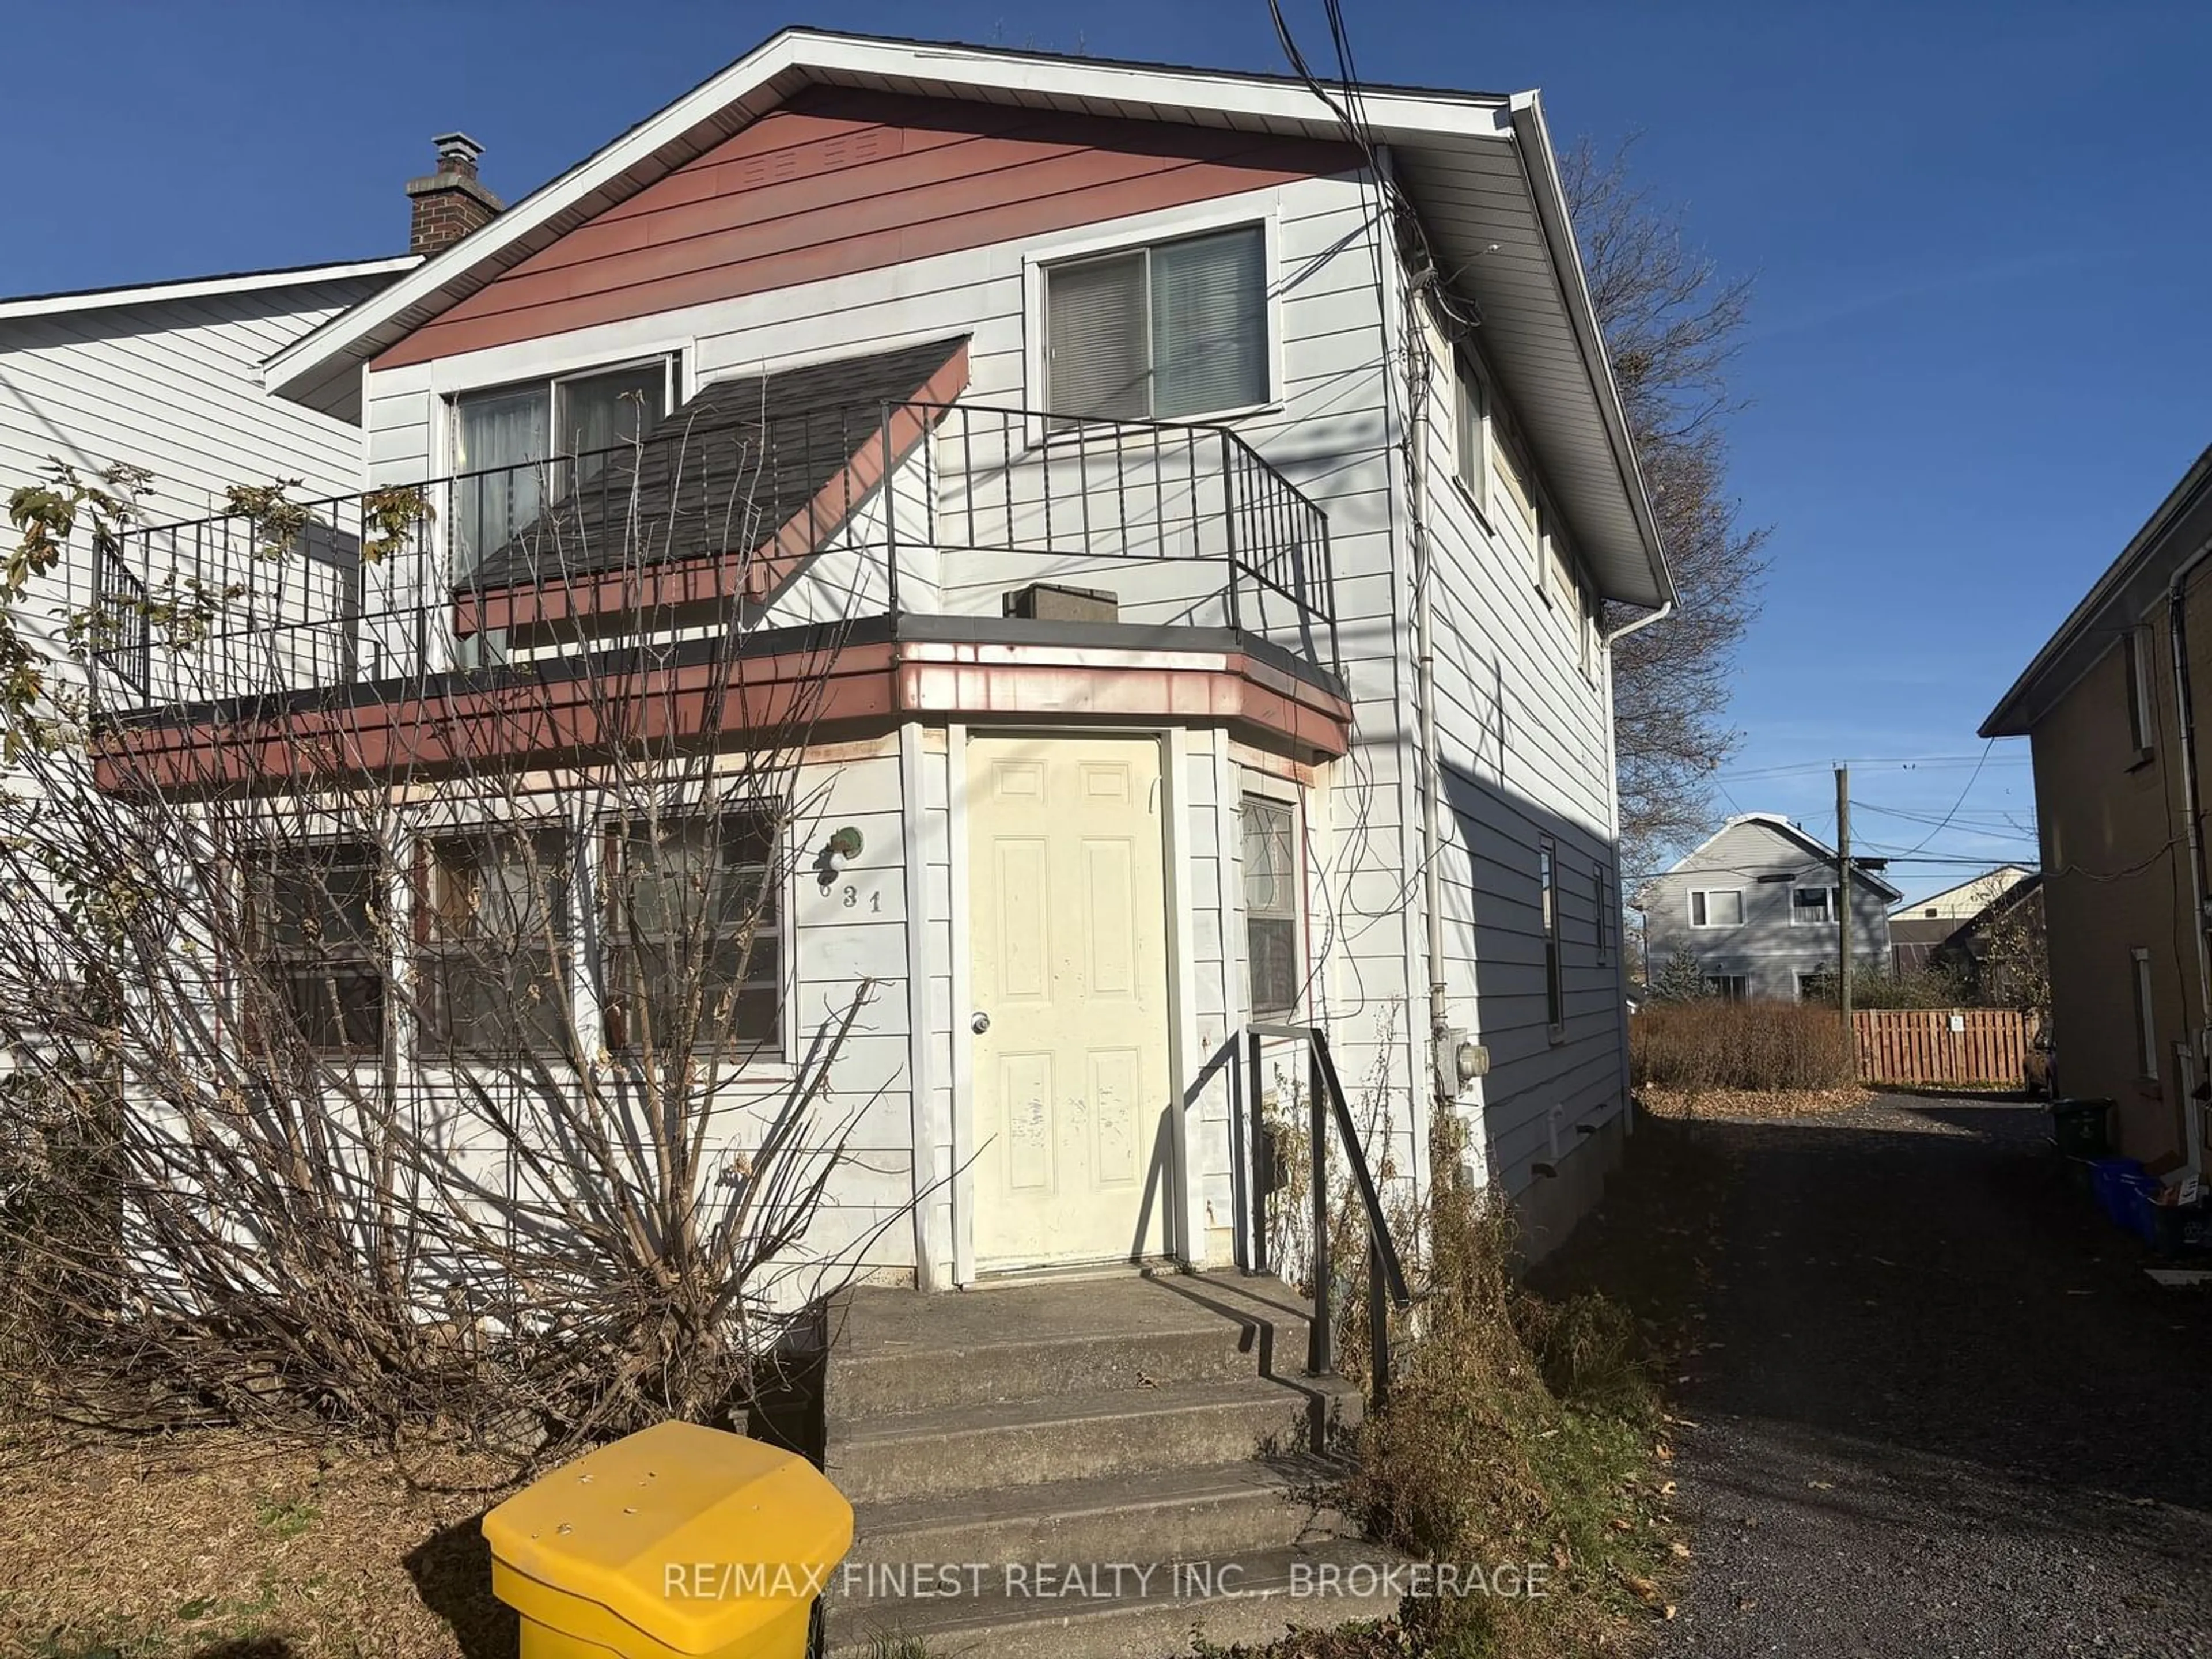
[(980, 256), (1963, 902), (168, 377), (1754, 907)]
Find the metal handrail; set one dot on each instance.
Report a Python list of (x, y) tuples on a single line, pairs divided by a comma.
[(1010, 483), (1325, 1102)]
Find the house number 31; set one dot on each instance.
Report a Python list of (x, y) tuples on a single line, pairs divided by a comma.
[(853, 900)]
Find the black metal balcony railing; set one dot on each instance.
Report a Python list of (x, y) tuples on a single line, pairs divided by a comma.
[(807, 517)]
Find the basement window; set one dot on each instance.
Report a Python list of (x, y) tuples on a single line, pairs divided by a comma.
[(312, 917), (1728, 987), (1163, 332)]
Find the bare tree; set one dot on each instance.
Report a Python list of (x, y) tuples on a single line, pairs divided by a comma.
[(1673, 324), (387, 954)]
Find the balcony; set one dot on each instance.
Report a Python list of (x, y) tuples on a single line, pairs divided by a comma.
[(744, 538)]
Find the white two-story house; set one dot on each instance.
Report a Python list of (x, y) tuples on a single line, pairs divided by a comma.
[(1753, 906), (1187, 522), (1180, 469)]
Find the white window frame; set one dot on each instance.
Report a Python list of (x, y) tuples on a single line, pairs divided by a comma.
[(1291, 804), (1715, 982), (1831, 906), (1142, 232), (1555, 967), (2146, 1012), (1706, 893), (550, 381), (1470, 431), (767, 1063)]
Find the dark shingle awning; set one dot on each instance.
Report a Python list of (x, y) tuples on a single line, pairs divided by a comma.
[(762, 466)]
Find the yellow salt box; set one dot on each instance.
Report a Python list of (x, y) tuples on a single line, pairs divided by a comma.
[(679, 1542)]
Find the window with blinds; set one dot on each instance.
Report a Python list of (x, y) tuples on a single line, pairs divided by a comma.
[(1162, 332)]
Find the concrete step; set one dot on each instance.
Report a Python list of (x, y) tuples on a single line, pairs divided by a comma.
[(895, 1352), (967, 1449), (1175, 1514), (1253, 1597)]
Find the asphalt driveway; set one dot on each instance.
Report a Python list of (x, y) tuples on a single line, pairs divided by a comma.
[(1934, 1407)]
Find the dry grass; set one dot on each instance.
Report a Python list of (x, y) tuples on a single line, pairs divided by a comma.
[(215, 1545), (1521, 1432), (1754, 1103), (1699, 1047)]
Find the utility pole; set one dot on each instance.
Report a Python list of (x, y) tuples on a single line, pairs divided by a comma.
[(1844, 900)]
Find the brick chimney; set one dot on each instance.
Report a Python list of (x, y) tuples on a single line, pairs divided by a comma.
[(452, 202)]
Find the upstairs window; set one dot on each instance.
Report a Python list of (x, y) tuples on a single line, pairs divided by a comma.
[(1812, 907), (507, 437), (696, 955), (1518, 492), (311, 915), (1472, 434), (1720, 907), (1271, 909), (496, 959), (1163, 332)]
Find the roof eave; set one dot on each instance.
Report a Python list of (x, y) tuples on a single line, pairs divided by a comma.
[(1548, 190), (195, 287), (2055, 669)]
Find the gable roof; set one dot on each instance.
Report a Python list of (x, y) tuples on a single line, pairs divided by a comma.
[(1861, 868), (2170, 540), (1480, 167), (195, 287)]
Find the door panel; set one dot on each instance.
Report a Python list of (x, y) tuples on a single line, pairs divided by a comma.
[(1068, 927)]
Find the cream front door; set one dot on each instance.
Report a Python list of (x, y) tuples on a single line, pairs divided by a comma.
[(1069, 939)]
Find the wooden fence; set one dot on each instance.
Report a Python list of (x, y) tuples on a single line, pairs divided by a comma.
[(1940, 1045)]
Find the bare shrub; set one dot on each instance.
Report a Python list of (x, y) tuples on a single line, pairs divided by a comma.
[(396, 1079), (1508, 1433), (1755, 1045)]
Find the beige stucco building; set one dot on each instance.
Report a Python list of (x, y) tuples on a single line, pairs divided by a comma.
[(2111, 707)]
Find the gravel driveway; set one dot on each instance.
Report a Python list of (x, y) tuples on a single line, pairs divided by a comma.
[(1935, 1406)]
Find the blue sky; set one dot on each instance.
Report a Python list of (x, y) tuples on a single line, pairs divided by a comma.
[(1978, 355)]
